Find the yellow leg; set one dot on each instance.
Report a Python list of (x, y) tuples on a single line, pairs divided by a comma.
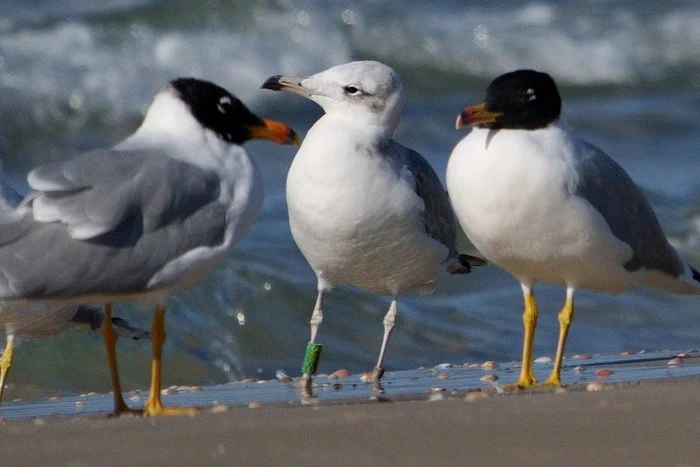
[(6, 362), (527, 376), (154, 406), (566, 316), (110, 339)]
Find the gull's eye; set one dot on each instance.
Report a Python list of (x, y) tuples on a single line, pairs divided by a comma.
[(352, 90), (224, 103), (531, 96)]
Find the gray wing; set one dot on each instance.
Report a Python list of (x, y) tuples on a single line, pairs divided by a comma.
[(96, 191), (438, 215), (604, 184), (149, 210)]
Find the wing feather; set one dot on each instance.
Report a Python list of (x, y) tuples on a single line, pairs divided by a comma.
[(438, 216), (129, 213), (604, 184), (97, 191)]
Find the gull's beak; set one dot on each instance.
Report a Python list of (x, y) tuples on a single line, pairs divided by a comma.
[(475, 115), (287, 83), (274, 131)]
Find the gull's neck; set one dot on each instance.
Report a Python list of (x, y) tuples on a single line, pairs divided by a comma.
[(170, 124), (370, 128), (168, 117)]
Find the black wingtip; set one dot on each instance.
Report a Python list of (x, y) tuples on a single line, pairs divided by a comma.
[(88, 315), (272, 83), (135, 333), (696, 274), (464, 264)]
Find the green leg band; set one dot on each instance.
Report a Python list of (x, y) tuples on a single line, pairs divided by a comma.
[(311, 358)]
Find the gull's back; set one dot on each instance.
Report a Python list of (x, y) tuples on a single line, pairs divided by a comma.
[(138, 231), (30, 320), (631, 219)]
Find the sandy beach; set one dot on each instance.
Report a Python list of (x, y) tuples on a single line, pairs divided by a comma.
[(651, 423)]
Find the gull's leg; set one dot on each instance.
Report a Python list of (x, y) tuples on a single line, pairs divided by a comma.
[(566, 316), (153, 405), (316, 316), (313, 350), (109, 336), (389, 322), (6, 361), (527, 376)]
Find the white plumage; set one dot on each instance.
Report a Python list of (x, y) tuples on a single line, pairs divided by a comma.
[(517, 203), (363, 209), (357, 217), (546, 206)]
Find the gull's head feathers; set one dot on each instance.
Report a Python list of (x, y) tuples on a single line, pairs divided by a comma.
[(191, 105), (364, 92), (520, 100)]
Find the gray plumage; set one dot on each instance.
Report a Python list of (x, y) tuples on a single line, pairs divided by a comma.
[(604, 184), (141, 210), (102, 189), (38, 320), (439, 219)]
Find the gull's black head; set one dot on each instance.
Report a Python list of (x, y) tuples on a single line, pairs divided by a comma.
[(520, 100), (221, 112)]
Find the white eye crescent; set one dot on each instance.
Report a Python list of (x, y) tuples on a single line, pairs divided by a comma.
[(352, 90), (531, 92), (223, 102)]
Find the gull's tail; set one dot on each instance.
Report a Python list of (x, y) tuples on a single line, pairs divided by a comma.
[(686, 281), (462, 263)]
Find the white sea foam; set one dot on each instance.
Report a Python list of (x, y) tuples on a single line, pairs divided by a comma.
[(82, 64), (89, 63), (581, 46)]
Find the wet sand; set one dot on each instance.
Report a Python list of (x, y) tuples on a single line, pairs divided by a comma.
[(652, 423)]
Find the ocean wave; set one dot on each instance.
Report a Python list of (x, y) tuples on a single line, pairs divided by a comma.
[(83, 65), (579, 45), (119, 58)]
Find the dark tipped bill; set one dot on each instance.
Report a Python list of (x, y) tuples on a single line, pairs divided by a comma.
[(475, 115), (287, 83)]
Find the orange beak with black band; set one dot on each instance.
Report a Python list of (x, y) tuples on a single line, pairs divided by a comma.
[(273, 130), (476, 115)]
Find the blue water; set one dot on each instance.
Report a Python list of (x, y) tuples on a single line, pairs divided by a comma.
[(78, 75)]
